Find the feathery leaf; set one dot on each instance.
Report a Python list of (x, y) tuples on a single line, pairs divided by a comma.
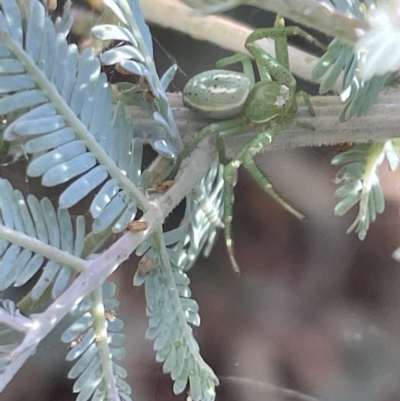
[(339, 59), (40, 220), (59, 105), (95, 341), (359, 175)]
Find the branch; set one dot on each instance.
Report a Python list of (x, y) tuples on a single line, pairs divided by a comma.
[(100, 327), (19, 322), (48, 251), (382, 122)]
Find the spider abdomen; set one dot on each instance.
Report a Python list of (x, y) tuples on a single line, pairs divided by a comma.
[(217, 94)]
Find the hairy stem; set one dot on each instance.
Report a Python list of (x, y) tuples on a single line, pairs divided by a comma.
[(381, 123), (100, 327)]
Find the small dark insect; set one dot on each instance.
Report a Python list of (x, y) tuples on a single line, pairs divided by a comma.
[(148, 96), (145, 266), (163, 186), (110, 315), (143, 83), (147, 93), (122, 70), (137, 226), (344, 146), (75, 341)]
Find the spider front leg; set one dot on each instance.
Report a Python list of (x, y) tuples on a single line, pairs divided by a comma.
[(264, 183), (257, 145), (245, 157), (307, 101), (228, 198), (230, 126), (230, 174), (239, 58), (230, 178), (279, 71), (279, 33)]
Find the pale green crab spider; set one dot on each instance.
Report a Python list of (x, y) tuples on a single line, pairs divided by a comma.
[(244, 104)]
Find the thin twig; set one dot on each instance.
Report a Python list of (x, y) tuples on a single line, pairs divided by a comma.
[(41, 248), (317, 15), (268, 387), (19, 323)]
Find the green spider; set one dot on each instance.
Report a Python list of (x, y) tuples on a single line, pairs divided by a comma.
[(244, 104)]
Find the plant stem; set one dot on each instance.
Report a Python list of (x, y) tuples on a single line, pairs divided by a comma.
[(100, 327), (41, 248), (381, 123)]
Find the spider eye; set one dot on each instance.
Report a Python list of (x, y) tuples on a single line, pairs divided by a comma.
[(284, 89), (280, 102), (285, 94)]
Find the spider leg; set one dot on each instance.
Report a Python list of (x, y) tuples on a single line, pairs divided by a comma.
[(247, 66), (230, 178), (274, 67), (210, 129), (238, 127), (279, 33), (239, 58), (306, 98), (258, 144), (264, 183), (224, 129), (302, 124), (263, 72), (222, 154), (295, 30)]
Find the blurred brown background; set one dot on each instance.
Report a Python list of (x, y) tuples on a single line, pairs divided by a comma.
[(315, 310)]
